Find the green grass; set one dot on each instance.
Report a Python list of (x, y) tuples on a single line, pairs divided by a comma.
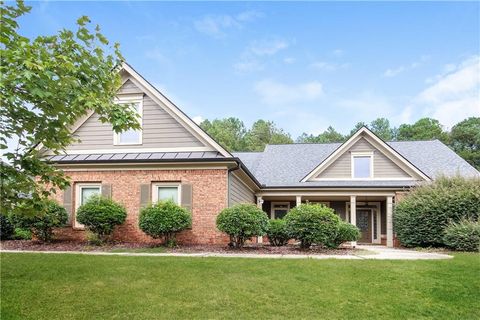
[(66, 286), (141, 250)]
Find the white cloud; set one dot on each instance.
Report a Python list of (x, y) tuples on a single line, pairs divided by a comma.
[(248, 65), (454, 95), (289, 60), (198, 119), (276, 93), (217, 25), (251, 58), (328, 66), (393, 72), (157, 55), (338, 52), (267, 47)]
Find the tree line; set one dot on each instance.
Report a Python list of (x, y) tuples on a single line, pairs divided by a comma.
[(463, 138)]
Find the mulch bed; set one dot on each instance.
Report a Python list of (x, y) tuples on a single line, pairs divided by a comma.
[(33, 245)]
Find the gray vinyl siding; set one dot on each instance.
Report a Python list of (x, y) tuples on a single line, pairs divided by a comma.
[(129, 88), (238, 192), (160, 129), (383, 167)]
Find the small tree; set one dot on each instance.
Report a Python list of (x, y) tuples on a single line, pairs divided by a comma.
[(6, 228), (421, 217), (101, 215), (277, 232), (242, 221), (164, 219), (346, 232), (42, 223), (313, 223), (463, 235)]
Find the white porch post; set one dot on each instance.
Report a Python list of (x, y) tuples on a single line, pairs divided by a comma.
[(259, 205), (299, 200), (353, 214), (390, 221)]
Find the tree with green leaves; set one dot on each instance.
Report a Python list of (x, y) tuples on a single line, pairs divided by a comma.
[(381, 127), (357, 127), (47, 84), (465, 140), (328, 136), (263, 133), (229, 132), (423, 129)]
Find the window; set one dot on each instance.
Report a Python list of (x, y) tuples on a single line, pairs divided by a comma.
[(130, 137), (279, 209), (83, 192), (362, 165), (166, 191)]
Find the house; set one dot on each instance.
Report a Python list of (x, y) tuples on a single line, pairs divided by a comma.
[(171, 157)]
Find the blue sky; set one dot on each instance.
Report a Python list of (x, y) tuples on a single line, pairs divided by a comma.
[(303, 65)]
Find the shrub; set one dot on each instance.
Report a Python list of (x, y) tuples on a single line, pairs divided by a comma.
[(6, 227), (242, 221), (313, 223), (164, 219), (41, 225), (277, 232), (22, 234), (101, 215), (463, 235), (421, 217), (346, 232)]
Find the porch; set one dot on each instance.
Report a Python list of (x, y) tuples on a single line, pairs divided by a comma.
[(371, 212)]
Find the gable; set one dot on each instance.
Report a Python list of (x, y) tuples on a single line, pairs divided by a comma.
[(165, 128), (383, 167), (160, 129), (387, 163)]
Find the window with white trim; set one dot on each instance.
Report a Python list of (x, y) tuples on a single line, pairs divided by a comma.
[(131, 136), (166, 192), (83, 192), (279, 209), (362, 165)]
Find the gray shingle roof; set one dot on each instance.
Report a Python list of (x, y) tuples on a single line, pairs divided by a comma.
[(287, 165)]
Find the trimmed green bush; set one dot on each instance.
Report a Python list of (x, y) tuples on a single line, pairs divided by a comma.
[(42, 224), (164, 219), (101, 215), (277, 232), (346, 232), (242, 221), (313, 224), (421, 217), (22, 234), (463, 235), (6, 228)]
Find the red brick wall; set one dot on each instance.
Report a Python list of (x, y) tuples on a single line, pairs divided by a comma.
[(209, 188)]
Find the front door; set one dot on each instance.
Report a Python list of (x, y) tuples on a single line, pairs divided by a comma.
[(364, 223)]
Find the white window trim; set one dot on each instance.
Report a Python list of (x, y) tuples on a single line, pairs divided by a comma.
[(157, 185), (78, 200), (352, 163), (272, 208), (137, 99)]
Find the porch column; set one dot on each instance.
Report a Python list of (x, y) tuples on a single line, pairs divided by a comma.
[(353, 214), (390, 222), (299, 200), (260, 205)]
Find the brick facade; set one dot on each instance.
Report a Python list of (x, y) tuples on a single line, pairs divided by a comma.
[(209, 197)]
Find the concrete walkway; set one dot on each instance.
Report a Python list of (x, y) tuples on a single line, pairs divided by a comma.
[(372, 252)]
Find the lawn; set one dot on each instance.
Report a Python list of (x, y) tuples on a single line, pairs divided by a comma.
[(68, 286)]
